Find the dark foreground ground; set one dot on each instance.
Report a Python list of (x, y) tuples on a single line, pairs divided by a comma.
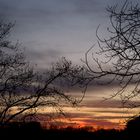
[(34, 131)]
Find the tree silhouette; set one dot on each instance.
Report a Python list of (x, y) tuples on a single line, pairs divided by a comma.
[(22, 90), (133, 127), (120, 53)]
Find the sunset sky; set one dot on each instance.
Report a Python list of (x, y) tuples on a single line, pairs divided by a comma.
[(50, 29)]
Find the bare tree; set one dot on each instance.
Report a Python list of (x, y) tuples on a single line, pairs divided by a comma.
[(23, 91), (120, 53)]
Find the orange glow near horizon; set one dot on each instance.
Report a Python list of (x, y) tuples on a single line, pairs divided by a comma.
[(80, 123), (97, 118), (90, 112)]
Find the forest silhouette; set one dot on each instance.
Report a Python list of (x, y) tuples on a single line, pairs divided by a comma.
[(34, 130)]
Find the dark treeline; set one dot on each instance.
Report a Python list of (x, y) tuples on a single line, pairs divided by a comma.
[(33, 130)]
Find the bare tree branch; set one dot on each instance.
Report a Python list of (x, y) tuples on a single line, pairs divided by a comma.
[(120, 52), (23, 91)]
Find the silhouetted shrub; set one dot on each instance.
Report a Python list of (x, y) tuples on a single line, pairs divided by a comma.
[(133, 127)]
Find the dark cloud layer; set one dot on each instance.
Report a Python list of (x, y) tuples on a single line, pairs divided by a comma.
[(64, 25)]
